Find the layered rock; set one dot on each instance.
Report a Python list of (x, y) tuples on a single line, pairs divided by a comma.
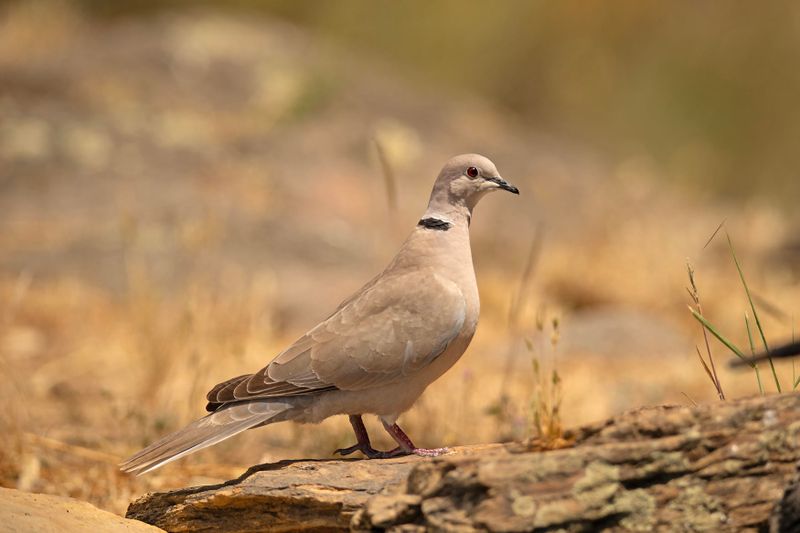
[(719, 467)]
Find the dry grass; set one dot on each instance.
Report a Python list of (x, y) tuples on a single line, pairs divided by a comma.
[(547, 428)]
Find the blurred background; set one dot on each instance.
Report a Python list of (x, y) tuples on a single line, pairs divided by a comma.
[(186, 187)]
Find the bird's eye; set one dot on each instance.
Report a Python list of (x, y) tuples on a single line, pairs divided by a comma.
[(472, 172)]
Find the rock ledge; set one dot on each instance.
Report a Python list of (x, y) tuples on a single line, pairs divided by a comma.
[(720, 467)]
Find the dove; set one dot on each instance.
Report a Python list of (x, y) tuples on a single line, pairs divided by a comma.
[(381, 347)]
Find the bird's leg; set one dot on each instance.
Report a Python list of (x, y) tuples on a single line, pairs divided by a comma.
[(406, 446), (363, 445)]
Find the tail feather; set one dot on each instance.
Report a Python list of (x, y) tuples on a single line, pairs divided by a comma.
[(205, 432)]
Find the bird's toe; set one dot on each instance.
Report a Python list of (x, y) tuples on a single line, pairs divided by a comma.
[(430, 452), (347, 451)]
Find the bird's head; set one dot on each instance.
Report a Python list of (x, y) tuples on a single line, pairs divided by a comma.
[(467, 178)]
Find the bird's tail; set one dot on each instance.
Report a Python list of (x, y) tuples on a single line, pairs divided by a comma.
[(205, 432)]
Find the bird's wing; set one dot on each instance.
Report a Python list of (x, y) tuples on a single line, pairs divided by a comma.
[(391, 329)]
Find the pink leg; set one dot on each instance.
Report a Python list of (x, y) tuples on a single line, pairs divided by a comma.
[(406, 446), (363, 445)]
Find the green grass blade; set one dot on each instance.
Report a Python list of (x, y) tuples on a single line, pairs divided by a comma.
[(755, 313), (720, 337), (753, 352)]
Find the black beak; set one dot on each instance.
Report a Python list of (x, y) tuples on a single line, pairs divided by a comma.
[(503, 184)]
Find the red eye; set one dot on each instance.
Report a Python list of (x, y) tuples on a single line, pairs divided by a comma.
[(472, 172)]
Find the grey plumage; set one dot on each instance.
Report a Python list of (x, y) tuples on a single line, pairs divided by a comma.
[(207, 431), (379, 350)]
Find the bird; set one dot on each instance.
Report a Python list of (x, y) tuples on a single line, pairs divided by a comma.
[(785, 350), (381, 347)]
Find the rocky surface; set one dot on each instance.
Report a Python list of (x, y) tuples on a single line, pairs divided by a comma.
[(284, 496), (720, 467), (22, 512)]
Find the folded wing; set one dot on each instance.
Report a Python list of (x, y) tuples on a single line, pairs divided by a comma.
[(388, 331)]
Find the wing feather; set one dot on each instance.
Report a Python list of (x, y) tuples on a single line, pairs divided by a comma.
[(392, 328)]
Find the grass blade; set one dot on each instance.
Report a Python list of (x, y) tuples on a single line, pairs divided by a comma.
[(694, 294), (714, 234), (694, 403), (753, 353), (720, 337), (388, 176), (755, 313), (705, 366)]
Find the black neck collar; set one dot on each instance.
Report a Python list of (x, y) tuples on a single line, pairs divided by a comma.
[(435, 224)]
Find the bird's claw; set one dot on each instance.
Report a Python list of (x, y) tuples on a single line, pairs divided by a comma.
[(371, 452), (430, 452), (347, 451)]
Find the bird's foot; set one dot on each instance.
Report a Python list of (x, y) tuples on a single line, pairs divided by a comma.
[(407, 446), (430, 452), (371, 452)]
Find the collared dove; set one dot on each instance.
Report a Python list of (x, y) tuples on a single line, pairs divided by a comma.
[(379, 349)]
